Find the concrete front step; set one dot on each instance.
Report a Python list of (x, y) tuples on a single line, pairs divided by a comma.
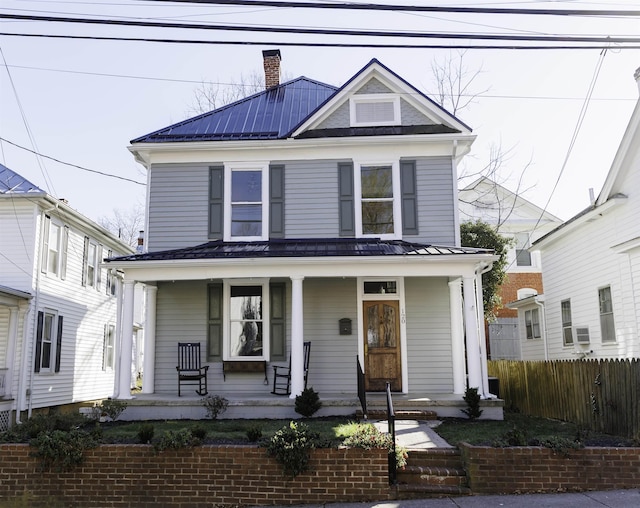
[(423, 491), (436, 457), (403, 414), (416, 475)]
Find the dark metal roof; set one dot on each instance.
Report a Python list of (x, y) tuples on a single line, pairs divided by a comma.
[(12, 183), (270, 114), (297, 248)]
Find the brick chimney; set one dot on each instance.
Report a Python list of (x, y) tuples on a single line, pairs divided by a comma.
[(271, 59)]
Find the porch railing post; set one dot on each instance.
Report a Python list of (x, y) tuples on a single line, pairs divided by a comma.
[(391, 423)]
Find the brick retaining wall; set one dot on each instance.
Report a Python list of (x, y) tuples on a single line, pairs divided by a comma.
[(536, 469), (133, 475)]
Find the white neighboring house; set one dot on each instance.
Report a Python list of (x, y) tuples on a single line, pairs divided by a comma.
[(592, 268), (58, 304), (515, 217)]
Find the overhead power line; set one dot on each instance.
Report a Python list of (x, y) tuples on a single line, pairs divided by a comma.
[(605, 44), (326, 31), (413, 8)]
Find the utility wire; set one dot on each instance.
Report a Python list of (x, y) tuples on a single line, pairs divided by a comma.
[(603, 45), (72, 165), (412, 8), (326, 31)]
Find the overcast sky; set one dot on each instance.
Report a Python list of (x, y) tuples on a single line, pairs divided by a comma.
[(82, 101)]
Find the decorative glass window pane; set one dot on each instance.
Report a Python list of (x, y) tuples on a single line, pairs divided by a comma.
[(380, 287), (245, 313), (373, 338)]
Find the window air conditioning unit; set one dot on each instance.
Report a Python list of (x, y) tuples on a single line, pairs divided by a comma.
[(580, 334)]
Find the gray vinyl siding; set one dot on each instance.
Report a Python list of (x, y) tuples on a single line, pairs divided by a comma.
[(411, 116), (373, 86), (436, 203), (341, 117), (311, 199), (178, 206), (429, 335)]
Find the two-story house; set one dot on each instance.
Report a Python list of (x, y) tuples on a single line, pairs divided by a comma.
[(517, 218), (58, 304), (592, 269), (309, 212)]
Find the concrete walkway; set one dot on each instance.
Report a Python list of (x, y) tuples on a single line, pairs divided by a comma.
[(416, 434)]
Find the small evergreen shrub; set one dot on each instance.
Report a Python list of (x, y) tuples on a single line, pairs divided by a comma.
[(291, 446), (112, 408), (367, 437), (472, 398), (175, 440), (215, 405), (61, 449), (254, 433), (199, 431), (308, 402), (146, 432)]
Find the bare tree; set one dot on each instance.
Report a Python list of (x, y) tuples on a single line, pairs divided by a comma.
[(125, 224)]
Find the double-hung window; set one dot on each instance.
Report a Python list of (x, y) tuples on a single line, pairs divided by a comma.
[(607, 325), (91, 276), (246, 202), (108, 347), (378, 213), (565, 311), (48, 341), (54, 248), (246, 325), (523, 256), (532, 323)]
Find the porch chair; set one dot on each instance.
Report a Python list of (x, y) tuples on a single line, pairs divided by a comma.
[(189, 369), (282, 374)]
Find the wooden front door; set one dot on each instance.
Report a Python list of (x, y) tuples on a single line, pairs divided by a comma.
[(382, 345)]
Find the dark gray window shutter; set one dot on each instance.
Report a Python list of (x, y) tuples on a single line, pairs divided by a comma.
[(58, 344), (214, 339), (216, 202), (277, 322), (276, 201), (39, 341), (85, 259), (345, 190), (409, 197)]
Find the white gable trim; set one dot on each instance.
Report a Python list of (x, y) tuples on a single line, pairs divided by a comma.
[(408, 93)]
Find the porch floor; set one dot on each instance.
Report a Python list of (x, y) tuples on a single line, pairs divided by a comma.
[(160, 406)]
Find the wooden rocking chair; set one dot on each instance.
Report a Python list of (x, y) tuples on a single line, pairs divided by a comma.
[(189, 369), (282, 375)]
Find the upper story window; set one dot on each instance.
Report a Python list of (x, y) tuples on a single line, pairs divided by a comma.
[(565, 310), (91, 275), (379, 211), (607, 325), (54, 248), (374, 109), (523, 256), (246, 210)]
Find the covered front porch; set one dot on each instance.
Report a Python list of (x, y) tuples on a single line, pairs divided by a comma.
[(399, 312)]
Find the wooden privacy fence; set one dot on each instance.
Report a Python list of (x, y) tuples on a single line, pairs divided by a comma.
[(600, 395)]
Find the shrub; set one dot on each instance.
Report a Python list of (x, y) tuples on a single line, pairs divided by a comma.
[(254, 433), (308, 402), (61, 449), (367, 436), (146, 432), (472, 398), (112, 408), (41, 422), (199, 431), (175, 440), (215, 405), (291, 446)]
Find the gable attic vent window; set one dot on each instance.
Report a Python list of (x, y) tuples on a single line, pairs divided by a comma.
[(374, 109)]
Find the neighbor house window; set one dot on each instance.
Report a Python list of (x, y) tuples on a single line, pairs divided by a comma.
[(523, 256), (109, 341), (247, 324), (54, 248), (48, 342), (247, 203), (367, 110), (532, 323), (567, 337), (379, 206), (607, 325), (91, 265)]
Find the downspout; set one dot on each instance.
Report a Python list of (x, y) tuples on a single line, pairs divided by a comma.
[(482, 269), (543, 319)]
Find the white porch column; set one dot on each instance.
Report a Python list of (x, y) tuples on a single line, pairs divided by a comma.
[(471, 330), (297, 337), (149, 359), (482, 338), (126, 343), (457, 336)]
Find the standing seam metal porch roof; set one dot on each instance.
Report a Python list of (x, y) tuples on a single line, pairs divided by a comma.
[(298, 248)]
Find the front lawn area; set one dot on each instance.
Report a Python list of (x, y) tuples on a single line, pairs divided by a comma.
[(520, 430)]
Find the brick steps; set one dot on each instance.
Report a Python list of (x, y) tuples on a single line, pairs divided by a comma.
[(435, 472)]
